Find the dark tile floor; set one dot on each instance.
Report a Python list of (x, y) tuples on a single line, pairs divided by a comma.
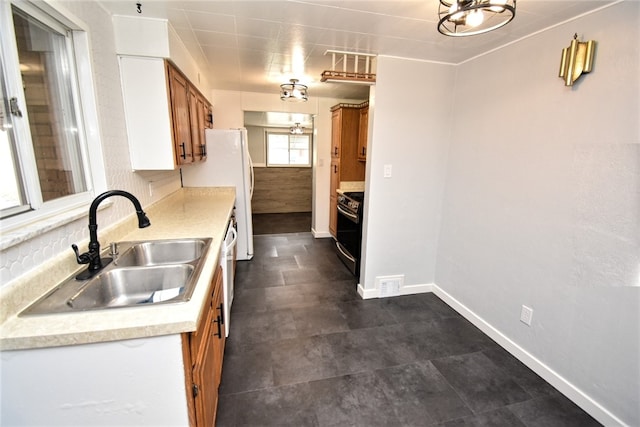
[(305, 350), (277, 223)]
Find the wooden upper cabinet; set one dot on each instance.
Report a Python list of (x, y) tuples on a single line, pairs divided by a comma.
[(208, 115), (193, 143), (204, 114), (336, 127), (197, 119), (363, 133), (345, 128), (180, 112), (165, 114)]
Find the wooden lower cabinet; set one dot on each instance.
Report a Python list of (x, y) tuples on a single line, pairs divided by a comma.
[(204, 348), (333, 215)]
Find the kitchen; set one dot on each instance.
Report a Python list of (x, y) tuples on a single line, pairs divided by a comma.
[(526, 196)]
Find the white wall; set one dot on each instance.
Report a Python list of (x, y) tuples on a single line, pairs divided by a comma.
[(410, 132), (542, 205), (255, 135)]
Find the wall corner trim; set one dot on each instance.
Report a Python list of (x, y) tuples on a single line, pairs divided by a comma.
[(320, 234), (367, 293)]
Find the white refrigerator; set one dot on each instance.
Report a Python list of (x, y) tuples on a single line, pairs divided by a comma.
[(228, 165)]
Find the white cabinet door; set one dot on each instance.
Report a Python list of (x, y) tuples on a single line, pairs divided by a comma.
[(147, 113)]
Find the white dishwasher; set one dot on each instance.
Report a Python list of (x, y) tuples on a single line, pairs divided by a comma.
[(227, 259)]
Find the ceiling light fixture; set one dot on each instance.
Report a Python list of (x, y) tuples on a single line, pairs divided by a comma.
[(459, 18), (293, 91), (296, 130)]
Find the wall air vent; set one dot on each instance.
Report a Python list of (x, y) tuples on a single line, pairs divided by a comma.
[(389, 286)]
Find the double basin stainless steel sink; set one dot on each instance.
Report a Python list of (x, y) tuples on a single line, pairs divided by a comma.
[(144, 273)]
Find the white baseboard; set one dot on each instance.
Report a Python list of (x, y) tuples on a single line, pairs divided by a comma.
[(589, 405), (404, 290), (368, 293), (585, 402), (320, 234), (416, 289)]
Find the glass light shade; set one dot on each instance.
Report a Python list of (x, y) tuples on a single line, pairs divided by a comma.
[(459, 18), (475, 18), (499, 5), (293, 91), (296, 130)]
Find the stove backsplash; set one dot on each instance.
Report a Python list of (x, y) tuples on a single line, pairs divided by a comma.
[(351, 186)]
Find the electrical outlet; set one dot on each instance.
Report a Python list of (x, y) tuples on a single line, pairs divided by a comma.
[(388, 169), (526, 315)]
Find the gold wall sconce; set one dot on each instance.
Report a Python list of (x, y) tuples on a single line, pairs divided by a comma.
[(576, 60)]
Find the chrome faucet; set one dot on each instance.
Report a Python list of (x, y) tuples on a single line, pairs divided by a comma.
[(92, 257)]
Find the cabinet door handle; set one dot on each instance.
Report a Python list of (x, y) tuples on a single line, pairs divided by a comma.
[(218, 323), (335, 151), (221, 313), (335, 168), (184, 151), (195, 390), (203, 150), (364, 151)]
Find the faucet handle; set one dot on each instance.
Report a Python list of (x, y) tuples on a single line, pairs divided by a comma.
[(84, 258), (113, 248)]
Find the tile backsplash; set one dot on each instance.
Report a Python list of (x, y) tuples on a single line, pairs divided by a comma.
[(352, 185)]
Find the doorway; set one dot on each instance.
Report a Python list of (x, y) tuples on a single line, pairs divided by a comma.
[(281, 147)]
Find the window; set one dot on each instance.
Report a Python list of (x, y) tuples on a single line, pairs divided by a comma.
[(284, 149), (44, 162)]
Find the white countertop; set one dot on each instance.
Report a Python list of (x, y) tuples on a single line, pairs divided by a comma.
[(192, 212)]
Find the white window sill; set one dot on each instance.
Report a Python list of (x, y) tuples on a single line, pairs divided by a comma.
[(16, 235)]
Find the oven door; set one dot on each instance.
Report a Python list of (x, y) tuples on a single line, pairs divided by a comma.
[(349, 239)]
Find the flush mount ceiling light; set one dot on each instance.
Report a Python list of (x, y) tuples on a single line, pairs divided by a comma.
[(293, 91), (459, 18), (296, 130)]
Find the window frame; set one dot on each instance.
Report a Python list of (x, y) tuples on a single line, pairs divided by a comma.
[(289, 135), (84, 98)]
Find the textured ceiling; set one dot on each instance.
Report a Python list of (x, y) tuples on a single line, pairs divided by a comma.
[(258, 45)]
